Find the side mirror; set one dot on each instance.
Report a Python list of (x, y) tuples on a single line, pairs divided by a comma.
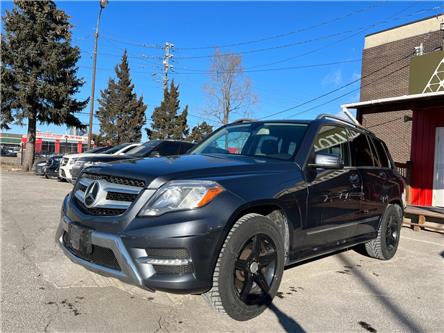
[(327, 161)]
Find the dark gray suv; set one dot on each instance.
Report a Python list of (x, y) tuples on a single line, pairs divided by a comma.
[(225, 219)]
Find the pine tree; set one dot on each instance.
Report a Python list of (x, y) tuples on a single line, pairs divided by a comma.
[(200, 131), (38, 70), (166, 122), (121, 113)]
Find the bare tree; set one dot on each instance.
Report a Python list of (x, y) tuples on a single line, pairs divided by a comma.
[(229, 90)]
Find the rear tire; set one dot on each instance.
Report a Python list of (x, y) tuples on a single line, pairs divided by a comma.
[(249, 268), (384, 246)]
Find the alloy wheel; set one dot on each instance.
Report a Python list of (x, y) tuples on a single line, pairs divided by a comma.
[(255, 270)]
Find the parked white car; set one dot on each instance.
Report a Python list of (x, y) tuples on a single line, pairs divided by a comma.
[(69, 160)]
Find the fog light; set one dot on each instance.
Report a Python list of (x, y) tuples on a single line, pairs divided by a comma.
[(164, 262)]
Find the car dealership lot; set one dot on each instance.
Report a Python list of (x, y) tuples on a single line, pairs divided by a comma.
[(43, 291)]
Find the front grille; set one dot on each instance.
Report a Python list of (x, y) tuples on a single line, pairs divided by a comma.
[(100, 255), (167, 269), (121, 196), (99, 211), (116, 180), (112, 195)]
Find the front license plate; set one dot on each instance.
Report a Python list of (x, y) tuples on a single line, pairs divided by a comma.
[(79, 238)]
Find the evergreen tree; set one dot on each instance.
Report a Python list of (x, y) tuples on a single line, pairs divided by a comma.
[(166, 122), (38, 70), (200, 131), (121, 113)]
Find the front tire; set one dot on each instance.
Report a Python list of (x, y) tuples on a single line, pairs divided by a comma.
[(249, 268), (384, 246)]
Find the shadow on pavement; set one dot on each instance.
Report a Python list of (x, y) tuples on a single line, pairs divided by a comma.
[(287, 323), (395, 310)]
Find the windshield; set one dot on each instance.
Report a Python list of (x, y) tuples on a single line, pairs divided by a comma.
[(271, 140), (143, 150), (115, 148)]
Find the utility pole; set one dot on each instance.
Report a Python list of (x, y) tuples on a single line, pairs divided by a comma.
[(166, 64), (103, 4)]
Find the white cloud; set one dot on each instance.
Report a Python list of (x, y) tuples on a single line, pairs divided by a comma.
[(333, 78), (356, 76)]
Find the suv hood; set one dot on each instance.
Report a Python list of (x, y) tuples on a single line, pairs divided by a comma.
[(157, 171), (103, 158)]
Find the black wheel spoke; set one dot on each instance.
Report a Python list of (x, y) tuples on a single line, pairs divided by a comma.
[(266, 260), (246, 288), (256, 246), (261, 282), (241, 265)]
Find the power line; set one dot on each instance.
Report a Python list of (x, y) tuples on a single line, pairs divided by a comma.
[(307, 41), (277, 68), (277, 47), (339, 88), (142, 56), (323, 37), (388, 20), (254, 41), (272, 48), (132, 43), (286, 34), (350, 92), (253, 70)]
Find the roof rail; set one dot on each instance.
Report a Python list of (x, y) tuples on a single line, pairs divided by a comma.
[(243, 120), (354, 124)]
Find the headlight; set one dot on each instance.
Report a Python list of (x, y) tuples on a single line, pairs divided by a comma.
[(73, 160), (84, 164), (87, 164), (181, 195)]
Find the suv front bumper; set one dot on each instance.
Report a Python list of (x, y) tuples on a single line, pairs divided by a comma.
[(165, 267), (128, 271)]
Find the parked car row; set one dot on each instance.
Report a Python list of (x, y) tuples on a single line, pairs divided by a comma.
[(9, 151), (49, 168), (69, 167)]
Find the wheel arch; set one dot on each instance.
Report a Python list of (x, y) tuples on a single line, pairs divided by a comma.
[(397, 202), (271, 209)]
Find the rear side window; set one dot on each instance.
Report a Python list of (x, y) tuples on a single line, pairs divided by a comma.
[(381, 157), (333, 140), (361, 153)]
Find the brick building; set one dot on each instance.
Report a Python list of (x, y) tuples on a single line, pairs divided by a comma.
[(402, 101)]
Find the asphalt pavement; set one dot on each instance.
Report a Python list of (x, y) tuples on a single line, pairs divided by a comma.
[(41, 290)]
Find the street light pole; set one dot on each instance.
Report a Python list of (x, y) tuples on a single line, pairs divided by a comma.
[(103, 4)]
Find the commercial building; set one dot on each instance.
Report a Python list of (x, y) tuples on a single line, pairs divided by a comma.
[(402, 102), (47, 143)]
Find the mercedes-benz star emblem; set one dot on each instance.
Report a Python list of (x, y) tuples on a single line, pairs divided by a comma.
[(91, 194)]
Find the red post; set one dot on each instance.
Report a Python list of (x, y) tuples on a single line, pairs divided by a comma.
[(57, 146)]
